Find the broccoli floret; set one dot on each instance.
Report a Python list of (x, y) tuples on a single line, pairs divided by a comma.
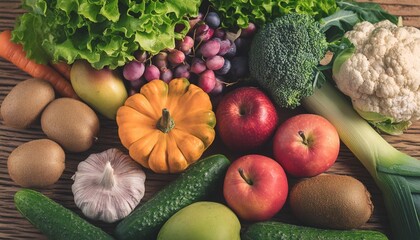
[(284, 56)]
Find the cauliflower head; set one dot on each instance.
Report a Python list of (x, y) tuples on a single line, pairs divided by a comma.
[(381, 75)]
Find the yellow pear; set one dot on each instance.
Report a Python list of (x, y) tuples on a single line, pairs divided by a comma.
[(103, 89)]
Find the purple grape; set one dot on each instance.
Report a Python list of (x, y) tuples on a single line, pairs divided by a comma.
[(133, 70), (215, 62), (218, 87), (209, 48), (239, 67), (176, 57), (212, 19), (187, 53), (160, 60), (231, 51), (161, 56), (193, 21), (151, 72), (203, 33), (225, 69), (207, 81), (224, 47), (201, 29), (182, 71), (249, 31), (216, 39), (166, 75), (136, 85), (185, 44), (219, 33), (141, 56), (242, 44), (198, 65)]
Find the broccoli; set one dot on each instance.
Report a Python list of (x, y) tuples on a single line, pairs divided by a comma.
[(284, 56)]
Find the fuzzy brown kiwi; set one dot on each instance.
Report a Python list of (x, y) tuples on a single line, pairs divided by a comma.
[(71, 123), (24, 103), (37, 163), (331, 201)]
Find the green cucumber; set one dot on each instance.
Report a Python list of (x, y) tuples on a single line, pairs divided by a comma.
[(54, 220), (198, 182), (282, 231)]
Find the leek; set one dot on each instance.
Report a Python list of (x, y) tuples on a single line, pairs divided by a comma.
[(396, 173)]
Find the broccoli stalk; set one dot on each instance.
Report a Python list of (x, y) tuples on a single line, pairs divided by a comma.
[(283, 60)]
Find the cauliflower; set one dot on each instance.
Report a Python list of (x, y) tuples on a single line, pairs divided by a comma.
[(381, 74)]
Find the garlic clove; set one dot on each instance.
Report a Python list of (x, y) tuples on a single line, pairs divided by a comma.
[(108, 185)]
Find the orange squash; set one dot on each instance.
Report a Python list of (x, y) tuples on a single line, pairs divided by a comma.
[(167, 127)]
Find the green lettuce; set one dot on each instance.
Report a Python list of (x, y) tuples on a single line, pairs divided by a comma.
[(106, 33), (241, 12)]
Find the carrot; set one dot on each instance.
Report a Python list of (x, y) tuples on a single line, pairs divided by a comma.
[(15, 54), (63, 68)]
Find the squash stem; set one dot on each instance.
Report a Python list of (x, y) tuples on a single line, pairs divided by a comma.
[(165, 123)]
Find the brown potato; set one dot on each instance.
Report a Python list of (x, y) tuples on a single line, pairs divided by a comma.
[(38, 163), (331, 201), (71, 123), (25, 102)]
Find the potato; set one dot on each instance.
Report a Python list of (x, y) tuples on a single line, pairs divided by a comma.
[(25, 102), (38, 163), (71, 123), (331, 201)]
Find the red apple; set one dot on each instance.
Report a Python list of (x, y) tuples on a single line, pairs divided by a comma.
[(255, 187), (306, 145), (246, 119)]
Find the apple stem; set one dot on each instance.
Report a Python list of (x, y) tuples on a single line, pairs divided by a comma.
[(304, 139), (241, 172)]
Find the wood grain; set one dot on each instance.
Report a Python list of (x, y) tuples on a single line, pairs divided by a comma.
[(14, 226)]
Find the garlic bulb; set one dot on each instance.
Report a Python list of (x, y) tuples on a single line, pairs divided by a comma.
[(108, 185)]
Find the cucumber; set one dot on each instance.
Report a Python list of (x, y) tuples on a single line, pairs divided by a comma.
[(282, 231), (198, 182), (54, 220)]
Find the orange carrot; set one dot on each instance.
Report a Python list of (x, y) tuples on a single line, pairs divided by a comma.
[(15, 54), (63, 68)]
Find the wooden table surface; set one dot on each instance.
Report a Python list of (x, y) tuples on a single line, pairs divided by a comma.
[(13, 226)]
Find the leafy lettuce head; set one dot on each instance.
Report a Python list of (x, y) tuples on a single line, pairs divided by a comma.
[(106, 33), (239, 13)]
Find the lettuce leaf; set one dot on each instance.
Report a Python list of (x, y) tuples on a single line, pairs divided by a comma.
[(106, 33), (240, 12)]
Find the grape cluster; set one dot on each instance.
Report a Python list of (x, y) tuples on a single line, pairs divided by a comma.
[(208, 56)]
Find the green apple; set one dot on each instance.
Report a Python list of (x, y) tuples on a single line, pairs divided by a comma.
[(102, 89), (202, 220)]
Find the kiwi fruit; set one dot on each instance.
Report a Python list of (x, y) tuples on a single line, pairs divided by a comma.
[(38, 163), (331, 201), (24, 103), (71, 123)]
